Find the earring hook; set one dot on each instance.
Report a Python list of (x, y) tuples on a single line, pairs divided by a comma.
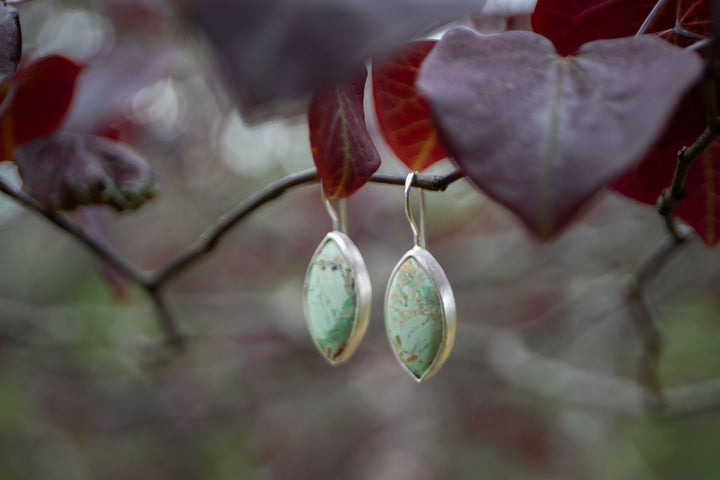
[(338, 222), (418, 233)]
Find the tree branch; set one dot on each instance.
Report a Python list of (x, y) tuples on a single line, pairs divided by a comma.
[(649, 362), (671, 196), (98, 248), (214, 234), (647, 327), (650, 266), (155, 283), (518, 365)]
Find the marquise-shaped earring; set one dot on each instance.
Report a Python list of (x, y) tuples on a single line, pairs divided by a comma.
[(337, 294), (419, 304)]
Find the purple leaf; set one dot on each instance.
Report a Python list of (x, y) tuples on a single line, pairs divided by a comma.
[(273, 51), (67, 170), (541, 133), (10, 42)]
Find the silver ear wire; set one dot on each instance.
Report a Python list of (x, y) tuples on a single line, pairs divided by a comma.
[(338, 222), (418, 233)]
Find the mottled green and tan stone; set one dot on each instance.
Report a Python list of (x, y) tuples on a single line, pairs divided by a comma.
[(330, 300), (414, 317)]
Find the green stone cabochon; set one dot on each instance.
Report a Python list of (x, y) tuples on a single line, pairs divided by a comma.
[(414, 317), (330, 300)]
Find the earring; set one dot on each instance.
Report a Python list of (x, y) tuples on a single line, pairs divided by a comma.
[(419, 304), (337, 294)]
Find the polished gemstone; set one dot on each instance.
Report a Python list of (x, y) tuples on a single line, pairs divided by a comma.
[(414, 317), (331, 299)]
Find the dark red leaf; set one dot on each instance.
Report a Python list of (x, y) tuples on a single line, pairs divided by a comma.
[(571, 23), (693, 16), (342, 150), (43, 93), (10, 42), (403, 114), (273, 51), (542, 133), (701, 208), (66, 170)]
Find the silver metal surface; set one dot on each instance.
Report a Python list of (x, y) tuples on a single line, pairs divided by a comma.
[(338, 222), (418, 233)]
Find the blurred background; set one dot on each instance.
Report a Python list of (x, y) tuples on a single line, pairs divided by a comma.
[(540, 384)]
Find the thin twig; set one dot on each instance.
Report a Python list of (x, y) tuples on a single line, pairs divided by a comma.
[(551, 377), (98, 248), (174, 338), (648, 268), (658, 257), (648, 365), (648, 368), (667, 203), (692, 400), (650, 18)]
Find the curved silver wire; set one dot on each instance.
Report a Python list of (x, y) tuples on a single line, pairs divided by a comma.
[(418, 233), (339, 223)]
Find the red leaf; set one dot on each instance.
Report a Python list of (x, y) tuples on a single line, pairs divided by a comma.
[(43, 93), (571, 23), (701, 208), (402, 112), (342, 150), (541, 133)]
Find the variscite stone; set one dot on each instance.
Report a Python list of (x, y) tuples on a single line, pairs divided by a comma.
[(330, 300), (414, 317)]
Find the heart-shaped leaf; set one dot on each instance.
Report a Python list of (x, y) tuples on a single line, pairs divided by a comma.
[(541, 133), (11, 44), (66, 170), (42, 94), (342, 149), (701, 208), (402, 112), (273, 51), (569, 23)]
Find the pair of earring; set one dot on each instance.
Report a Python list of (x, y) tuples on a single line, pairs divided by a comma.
[(419, 302)]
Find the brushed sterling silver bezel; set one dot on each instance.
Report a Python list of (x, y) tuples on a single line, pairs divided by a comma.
[(447, 303), (363, 290)]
